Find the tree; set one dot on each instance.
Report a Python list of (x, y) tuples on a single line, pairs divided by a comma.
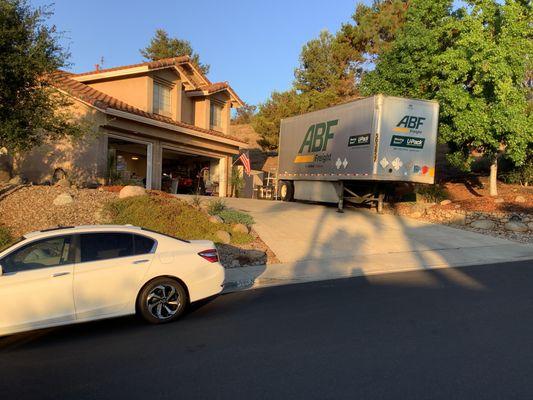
[(472, 60), (244, 114), (31, 110), (163, 46), (326, 65)]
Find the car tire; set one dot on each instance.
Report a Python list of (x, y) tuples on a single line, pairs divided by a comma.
[(286, 191), (162, 300)]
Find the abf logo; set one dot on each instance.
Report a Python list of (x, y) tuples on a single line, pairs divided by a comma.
[(409, 122), (317, 137)]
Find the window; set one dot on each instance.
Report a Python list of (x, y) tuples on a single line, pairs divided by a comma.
[(161, 103), (216, 116), (44, 253), (143, 245), (104, 246)]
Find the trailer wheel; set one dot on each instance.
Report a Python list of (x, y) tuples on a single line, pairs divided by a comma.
[(286, 191)]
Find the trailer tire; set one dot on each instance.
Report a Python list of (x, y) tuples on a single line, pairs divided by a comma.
[(286, 191)]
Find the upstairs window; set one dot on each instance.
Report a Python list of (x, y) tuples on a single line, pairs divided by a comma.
[(216, 116), (161, 104)]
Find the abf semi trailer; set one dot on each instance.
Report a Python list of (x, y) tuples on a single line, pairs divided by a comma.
[(358, 150)]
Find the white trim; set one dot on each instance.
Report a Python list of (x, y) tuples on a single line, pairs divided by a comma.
[(109, 74), (165, 125), (149, 152)]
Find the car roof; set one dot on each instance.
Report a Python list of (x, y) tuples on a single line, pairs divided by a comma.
[(82, 228)]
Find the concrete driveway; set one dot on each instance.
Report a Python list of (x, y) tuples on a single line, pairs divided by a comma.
[(311, 239)]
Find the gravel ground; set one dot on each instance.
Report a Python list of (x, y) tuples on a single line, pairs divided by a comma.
[(31, 208)]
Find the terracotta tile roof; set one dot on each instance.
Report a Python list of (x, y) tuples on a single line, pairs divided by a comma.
[(164, 62), (79, 90), (217, 87)]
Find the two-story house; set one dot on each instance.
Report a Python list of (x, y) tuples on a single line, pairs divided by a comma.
[(159, 123)]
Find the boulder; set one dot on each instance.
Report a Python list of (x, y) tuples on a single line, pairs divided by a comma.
[(416, 214), (499, 200), (486, 224), (516, 226), (530, 226), (16, 180), (445, 202), (64, 183), (458, 219), (520, 199), (222, 237), (240, 228), (63, 199), (131, 191), (215, 219), (5, 176)]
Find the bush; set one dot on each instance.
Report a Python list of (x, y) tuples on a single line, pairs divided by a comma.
[(170, 216), (431, 193), (5, 238), (216, 206), (519, 176), (236, 217), (196, 202)]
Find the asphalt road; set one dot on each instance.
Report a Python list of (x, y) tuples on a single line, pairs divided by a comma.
[(444, 334)]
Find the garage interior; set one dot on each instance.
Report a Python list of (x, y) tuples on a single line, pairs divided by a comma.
[(127, 162), (189, 173)]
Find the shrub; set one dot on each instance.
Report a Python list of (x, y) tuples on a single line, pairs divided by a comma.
[(196, 202), (236, 217), (5, 238), (170, 216), (216, 206), (431, 193)]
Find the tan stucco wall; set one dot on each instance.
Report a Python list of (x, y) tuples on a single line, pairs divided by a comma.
[(132, 90), (187, 109)]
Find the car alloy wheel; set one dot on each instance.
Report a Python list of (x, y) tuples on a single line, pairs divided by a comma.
[(163, 301)]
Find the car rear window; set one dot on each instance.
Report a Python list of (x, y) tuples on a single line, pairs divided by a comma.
[(143, 244), (104, 246)]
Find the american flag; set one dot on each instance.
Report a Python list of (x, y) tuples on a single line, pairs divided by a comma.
[(245, 160)]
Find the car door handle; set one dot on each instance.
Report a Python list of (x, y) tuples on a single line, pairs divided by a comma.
[(60, 274), (140, 261)]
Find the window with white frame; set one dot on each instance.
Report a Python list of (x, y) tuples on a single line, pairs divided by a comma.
[(161, 103), (216, 116)]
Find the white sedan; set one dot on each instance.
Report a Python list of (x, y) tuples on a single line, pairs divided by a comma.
[(77, 274)]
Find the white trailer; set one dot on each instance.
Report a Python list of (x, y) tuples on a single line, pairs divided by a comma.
[(356, 151)]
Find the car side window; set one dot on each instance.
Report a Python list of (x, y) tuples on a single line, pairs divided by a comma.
[(105, 246), (44, 253), (143, 244)]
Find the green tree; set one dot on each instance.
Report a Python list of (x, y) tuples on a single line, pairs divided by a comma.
[(326, 65), (31, 110), (244, 114), (472, 60), (163, 46), (374, 28)]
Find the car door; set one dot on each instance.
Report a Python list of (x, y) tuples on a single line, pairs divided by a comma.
[(109, 271), (36, 285)]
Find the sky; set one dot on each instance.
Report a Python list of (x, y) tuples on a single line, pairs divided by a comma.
[(252, 44)]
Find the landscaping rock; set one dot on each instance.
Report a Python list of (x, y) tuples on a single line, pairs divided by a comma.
[(64, 183), (499, 200), (16, 180), (131, 191), (416, 214), (215, 219), (223, 237), (530, 226), (240, 228), (445, 202), (520, 199), (5, 176), (515, 226), (485, 224), (458, 219), (63, 199)]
